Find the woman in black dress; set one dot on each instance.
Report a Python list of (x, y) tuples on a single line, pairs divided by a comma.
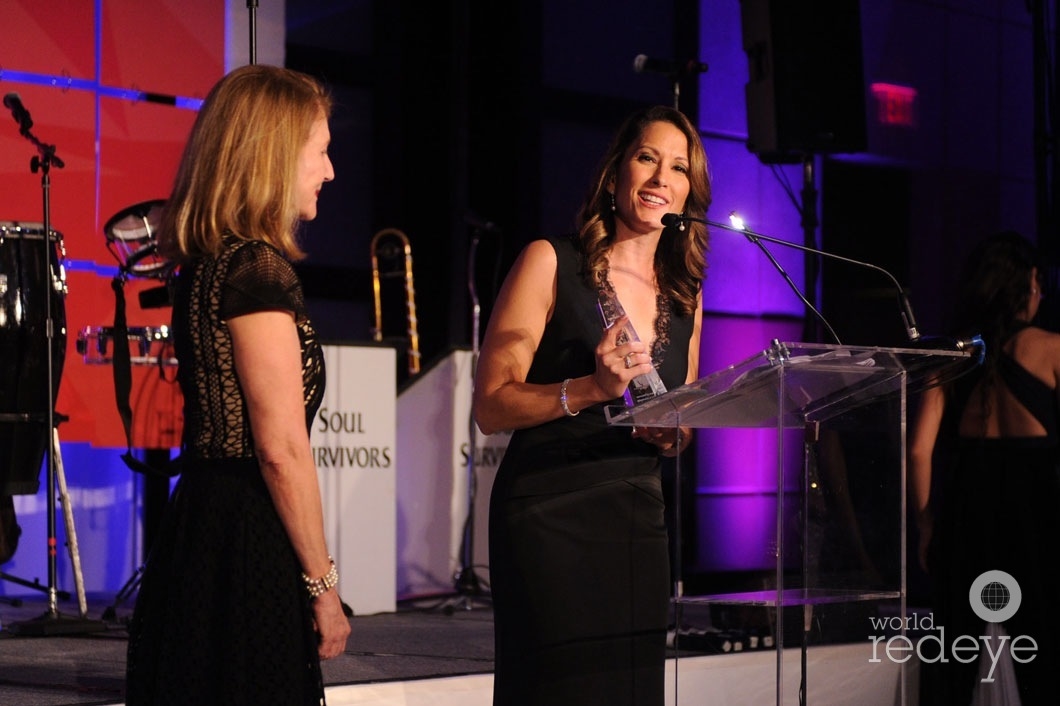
[(579, 567), (238, 602), (996, 433)]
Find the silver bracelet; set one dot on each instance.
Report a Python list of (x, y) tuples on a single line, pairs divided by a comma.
[(328, 581), (563, 399)]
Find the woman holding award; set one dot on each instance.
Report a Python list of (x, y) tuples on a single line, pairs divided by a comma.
[(579, 567)]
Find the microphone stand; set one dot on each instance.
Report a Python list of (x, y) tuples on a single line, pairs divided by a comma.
[(252, 10), (809, 234), (51, 622), (466, 582)]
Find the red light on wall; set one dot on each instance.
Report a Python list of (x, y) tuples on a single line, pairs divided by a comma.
[(895, 105)]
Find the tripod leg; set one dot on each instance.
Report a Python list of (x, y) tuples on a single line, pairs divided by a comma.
[(130, 587), (71, 531)]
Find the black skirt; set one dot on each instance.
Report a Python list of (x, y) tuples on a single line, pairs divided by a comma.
[(222, 616), (580, 586)]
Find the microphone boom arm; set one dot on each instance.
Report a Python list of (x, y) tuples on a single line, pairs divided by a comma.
[(906, 308)]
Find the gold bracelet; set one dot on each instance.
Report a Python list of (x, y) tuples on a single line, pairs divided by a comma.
[(563, 399), (328, 581)]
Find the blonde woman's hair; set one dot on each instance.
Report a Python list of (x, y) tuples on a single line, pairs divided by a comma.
[(237, 174)]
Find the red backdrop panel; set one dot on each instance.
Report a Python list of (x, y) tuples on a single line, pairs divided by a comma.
[(66, 121), (56, 37), (117, 153), (140, 146), (172, 47)]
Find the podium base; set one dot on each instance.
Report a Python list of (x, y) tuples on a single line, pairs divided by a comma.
[(54, 624)]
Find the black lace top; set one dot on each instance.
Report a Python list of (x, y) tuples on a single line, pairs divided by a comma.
[(247, 276)]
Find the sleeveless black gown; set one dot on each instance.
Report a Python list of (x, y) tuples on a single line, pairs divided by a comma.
[(1001, 511), (579, 565), (222, 616)]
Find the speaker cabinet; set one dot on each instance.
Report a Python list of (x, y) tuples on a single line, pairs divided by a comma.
[(805, 92)]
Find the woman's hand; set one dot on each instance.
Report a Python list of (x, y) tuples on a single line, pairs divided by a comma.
[(617, 364), (331, 624), (669, 440)]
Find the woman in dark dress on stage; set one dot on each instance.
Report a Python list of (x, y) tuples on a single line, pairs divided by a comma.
[(238, 602), (1000, 494), (579, 567)]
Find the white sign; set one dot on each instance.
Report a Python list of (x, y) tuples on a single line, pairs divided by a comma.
[(353, 439), (434, 471)]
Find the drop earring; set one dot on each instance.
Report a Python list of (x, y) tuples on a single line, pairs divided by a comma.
[(613, 209), (681, 225)]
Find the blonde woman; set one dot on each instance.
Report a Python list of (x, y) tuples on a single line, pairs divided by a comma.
[(238, 602)]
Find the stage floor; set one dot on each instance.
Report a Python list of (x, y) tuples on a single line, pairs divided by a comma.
[(420, 655), (419, 641)]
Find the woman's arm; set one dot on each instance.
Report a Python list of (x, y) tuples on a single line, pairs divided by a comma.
[(503, 399), (694, 341), (268, 362), (921, 451)]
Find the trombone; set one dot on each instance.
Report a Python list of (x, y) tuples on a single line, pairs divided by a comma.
[(388, 246)]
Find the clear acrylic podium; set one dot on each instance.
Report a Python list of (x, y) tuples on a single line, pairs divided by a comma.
[(840, 417)]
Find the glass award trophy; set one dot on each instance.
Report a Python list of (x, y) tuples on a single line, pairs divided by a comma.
[(643, 387)]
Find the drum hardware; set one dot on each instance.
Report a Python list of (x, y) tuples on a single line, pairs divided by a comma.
[(148, 345), (130, 235), (54, 332), (392, 259)]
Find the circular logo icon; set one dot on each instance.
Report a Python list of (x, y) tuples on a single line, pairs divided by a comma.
[(995, 596)]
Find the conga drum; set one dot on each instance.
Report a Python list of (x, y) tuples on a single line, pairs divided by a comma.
[(32, 285)]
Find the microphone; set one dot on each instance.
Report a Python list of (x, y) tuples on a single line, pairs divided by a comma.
[(673, 219), (480, 225), (643, 63), (18, 111), (973, 342)]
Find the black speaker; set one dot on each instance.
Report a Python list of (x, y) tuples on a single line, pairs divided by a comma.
[(805, 92)]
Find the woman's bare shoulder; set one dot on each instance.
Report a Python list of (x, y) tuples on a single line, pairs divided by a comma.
[(1038, 350)]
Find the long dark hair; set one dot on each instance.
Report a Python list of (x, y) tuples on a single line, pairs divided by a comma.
[(993, 289), (993, 293), (680, 257)]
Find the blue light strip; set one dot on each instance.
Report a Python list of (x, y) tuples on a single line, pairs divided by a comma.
[(96, 87), (80, 84), (110, 271)]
